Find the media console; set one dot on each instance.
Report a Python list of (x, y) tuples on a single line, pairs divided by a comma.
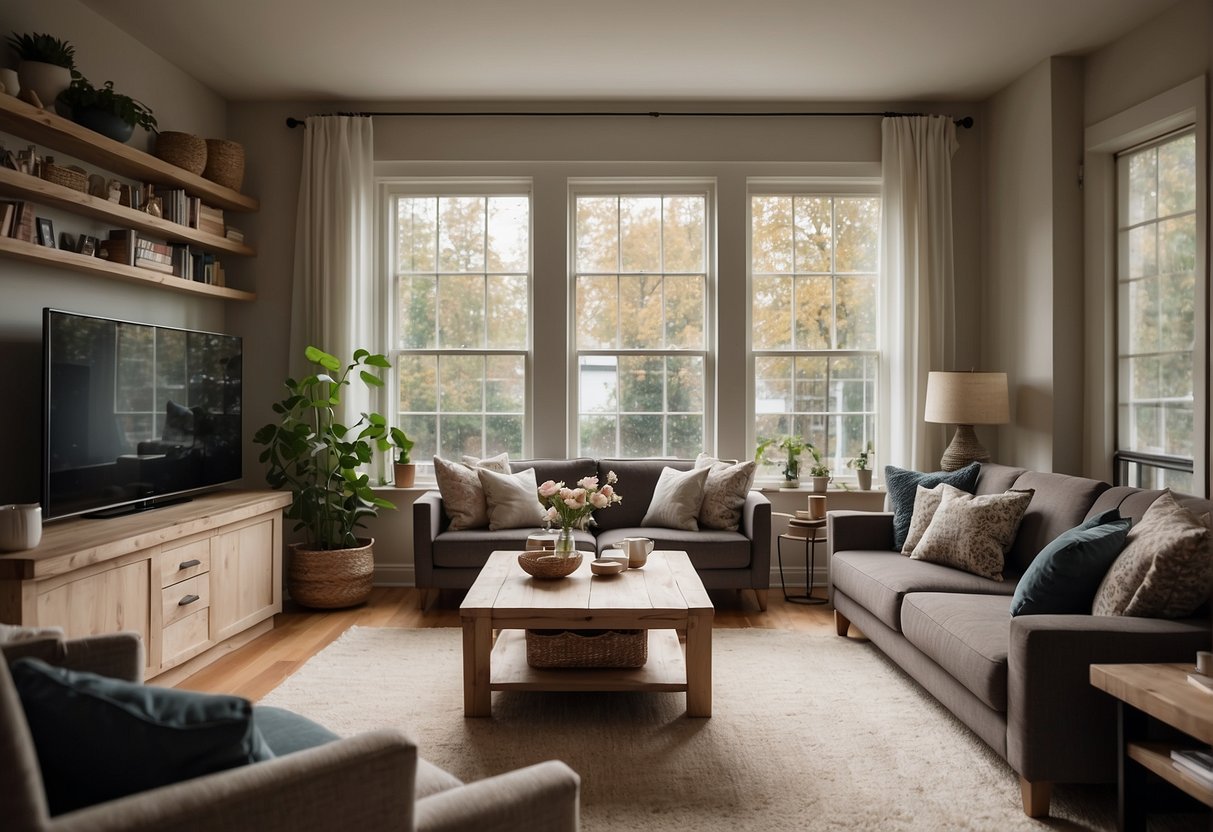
[(192, 579)]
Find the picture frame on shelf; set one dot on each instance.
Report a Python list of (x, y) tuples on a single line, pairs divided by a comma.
[(67, 242), (46, 232), (87, 245)]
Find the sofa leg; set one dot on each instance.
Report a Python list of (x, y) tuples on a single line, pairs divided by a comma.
[(841, 624), (760, 595), (425, 598), (1036, 796)]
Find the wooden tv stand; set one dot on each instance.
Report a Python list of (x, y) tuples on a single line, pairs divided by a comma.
[(194, 579)]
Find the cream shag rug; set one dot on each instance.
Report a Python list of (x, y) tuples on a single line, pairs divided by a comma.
[(808, 733)]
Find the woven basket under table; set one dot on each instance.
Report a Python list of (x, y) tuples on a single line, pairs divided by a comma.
[(587, 648)]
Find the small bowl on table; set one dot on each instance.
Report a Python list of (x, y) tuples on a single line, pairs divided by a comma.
[(539, 563), (607, 566)]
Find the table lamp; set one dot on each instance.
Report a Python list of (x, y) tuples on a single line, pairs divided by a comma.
[(965, 400)]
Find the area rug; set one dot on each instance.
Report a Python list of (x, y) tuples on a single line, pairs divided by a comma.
[(807, 733)]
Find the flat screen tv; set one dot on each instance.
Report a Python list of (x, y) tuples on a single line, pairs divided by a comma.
[(135, 416)]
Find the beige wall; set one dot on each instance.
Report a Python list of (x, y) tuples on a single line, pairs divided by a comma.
[(103, 52)]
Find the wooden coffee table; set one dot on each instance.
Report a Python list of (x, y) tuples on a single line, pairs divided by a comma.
[(664, 596)]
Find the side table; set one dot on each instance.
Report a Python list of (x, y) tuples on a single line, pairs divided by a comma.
[(813, 536), (1161, 692)]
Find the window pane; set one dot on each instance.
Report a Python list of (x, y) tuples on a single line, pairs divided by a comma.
[(814, 313), (773, 385), (814, 234), (684, 311), (1177, 175), (812, 392), (597, 234), (640, 234), (1143, 315), (460, 234), (418, 382), (771, 234), (415, 303), (1143, 186), (1178, 426), (858, 234), (416, 233), (684, 436), (461, 384), (683, 233), (1143, 251), (597, 312), (596, 436), (423, 430), (509, 233), (641, 435), (505, 384), (1176, 311), (461, 311), (640, 312), (684, 384), (641, 383), (1174, 376), (507, 312), (503, 434), (855, 307), (461, 435), (772, 315), (598, 384)]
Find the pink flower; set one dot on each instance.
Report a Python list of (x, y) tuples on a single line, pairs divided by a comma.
[(549, 489), (607, 492), (552, 515), (576, 498), (600, 500), (588, 483)]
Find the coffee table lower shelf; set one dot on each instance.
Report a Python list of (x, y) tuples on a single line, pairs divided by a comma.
[(665, 670)]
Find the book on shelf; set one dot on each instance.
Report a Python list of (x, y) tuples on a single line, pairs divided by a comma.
[(7, 209), (234, 234), (23, 222), (209, 219), (1198, 764), (132, 248)]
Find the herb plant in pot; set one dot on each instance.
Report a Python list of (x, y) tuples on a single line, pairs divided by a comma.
[(105, 111), (863, 467), (317, 458), (792, 447), (47, 65), (405, 473), (818, 471)]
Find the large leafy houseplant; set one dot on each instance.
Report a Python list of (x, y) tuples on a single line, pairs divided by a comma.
[(318, 459), (46, 49), (98, 107)]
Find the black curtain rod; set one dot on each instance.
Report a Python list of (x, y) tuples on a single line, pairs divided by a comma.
[(965, 122)]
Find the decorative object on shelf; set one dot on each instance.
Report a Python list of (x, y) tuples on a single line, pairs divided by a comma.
[(47, 65), (573, 508), (965, 400), (12, 85), (549, 564), (224, 163), (105, 111), (72, 176), (818, 471), (317, 459), (87, 245), (46, 232), (404, 472), (185, 150), (20, 526), (587, 648), (792, 447), (863, 467)]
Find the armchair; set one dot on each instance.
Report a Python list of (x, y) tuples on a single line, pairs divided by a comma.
[(374, 781)]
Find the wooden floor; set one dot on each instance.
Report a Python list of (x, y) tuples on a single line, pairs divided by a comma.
[(257, 668)]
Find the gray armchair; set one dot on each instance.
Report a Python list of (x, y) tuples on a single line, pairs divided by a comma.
[(374, 781)]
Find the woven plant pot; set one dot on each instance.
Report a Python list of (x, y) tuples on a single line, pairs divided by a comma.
[(185, 150), (224, 163), (331, 579)]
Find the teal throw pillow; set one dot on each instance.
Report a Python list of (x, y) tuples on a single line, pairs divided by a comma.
[(1064, 577), (99, 739), (902, 486)]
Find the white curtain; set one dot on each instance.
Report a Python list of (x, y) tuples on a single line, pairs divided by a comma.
[(333, 302), (918, 318)]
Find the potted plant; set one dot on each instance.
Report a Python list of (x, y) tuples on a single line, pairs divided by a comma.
[(46, 65), (863, 467), (405, 472), (109, 113), (818, 471), (792, 447), (318, 459)]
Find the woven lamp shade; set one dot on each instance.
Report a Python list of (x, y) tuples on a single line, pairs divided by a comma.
[(967, 399)]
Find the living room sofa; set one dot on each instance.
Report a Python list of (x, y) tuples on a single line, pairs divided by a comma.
[(1020, 683), (446, 559)]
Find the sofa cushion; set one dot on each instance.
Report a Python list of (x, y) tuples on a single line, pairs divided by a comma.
[(499, 464), (966, 635), (567, 471), (879, 581), (1165, 568), (997, 479), (724, 492), (1065, 575), (462, 496), (676, 499), (511, 500), (926, 503), (98, 739), (902, 486), (707, 548), (973, 532), (1061, 503), (637, 480), (470, 548)]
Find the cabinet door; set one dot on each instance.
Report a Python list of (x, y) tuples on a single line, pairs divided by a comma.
[(105, 602), (246, 583)]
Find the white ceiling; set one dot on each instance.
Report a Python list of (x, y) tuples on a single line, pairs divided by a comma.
[(649, 50)]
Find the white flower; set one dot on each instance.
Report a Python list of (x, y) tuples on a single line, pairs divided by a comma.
[(588, 483)]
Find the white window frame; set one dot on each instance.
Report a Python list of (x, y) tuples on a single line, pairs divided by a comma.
[(392, 188), (825, 186), (657, 186)]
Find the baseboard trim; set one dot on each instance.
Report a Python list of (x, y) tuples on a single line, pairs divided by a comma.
[(390, 574)]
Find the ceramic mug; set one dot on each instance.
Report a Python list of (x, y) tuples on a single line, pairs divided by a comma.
[(638, 549), (20, 527), (817, 508)]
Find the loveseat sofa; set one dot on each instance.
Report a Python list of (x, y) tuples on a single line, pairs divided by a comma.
[(1020, 683), (451, 559)]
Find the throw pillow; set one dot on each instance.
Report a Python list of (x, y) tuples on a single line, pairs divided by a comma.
[(902, 487), (926, 503), (724, 492), (512, 500), (1064, 577), (1164, 570), (973, 533), (676, 499), (99, 739), (462, 495), (499, 463)]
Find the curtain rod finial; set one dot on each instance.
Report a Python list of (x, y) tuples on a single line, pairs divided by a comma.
[(965, 122), (292, 122)]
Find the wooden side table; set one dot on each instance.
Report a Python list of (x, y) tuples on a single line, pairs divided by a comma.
[(1161, 692), (813, 536)]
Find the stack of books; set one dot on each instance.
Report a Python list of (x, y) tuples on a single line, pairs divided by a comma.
[(135, 249), (17, 220), (208, 219), (1198, 764), (802, 526)]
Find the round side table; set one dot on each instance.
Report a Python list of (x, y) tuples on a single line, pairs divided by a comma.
[(814, 534)]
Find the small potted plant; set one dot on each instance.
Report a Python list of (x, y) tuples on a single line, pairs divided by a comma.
[(105, 111), (404, 471), (818, 471), (863, 467), (47, 65), (317, 459), (792, 447)]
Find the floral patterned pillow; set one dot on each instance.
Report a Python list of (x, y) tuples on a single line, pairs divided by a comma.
[(973, 533), (1165, 568), (462, 496), (725, 492), (926, 503)]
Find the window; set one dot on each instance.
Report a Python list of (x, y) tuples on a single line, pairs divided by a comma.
[(1158, 316), (814, 293), (461, 263), (640, 288)]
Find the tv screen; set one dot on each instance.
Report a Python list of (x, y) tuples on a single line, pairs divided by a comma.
[(135, 415)]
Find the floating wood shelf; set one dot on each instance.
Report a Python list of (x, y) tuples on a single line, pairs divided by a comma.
[(45, 128)]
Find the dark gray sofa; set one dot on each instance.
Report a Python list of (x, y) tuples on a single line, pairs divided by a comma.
[(445, 559), (1021, 684)]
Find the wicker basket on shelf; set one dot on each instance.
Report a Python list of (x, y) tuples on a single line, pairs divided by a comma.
[(185, 150), (587, 648), (224, 163), (68, 177)]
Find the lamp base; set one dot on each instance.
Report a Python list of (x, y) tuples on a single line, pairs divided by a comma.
[(964, 449)]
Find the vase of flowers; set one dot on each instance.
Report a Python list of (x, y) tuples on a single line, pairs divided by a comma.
[(573, 508)]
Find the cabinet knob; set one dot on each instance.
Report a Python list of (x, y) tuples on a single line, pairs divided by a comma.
[(189, 599), (186, 564)]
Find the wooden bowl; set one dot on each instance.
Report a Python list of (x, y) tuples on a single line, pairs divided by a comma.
[(541, 564), (607, 567)]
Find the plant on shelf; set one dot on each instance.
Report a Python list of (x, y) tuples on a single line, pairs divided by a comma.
[(318, 459), (791, 447), (863, 467), (47, 65), (110, 113), (405, 472)]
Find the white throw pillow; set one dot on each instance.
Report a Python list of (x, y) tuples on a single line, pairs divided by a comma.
[(973, 533), (926, 502), (499, 463), (512, 500), (724, 493), (677, 499)]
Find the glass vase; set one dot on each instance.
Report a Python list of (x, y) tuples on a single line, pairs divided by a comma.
[(566, 546)]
